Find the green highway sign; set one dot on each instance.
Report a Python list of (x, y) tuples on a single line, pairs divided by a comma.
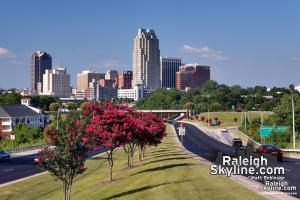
[(267, 130)]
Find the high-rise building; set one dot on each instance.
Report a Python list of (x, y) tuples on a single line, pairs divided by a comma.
[(125, 80), (86, 77), (146, 59), (40, 62), (111, 75), (192, 76), (56, 82), (168, 69)]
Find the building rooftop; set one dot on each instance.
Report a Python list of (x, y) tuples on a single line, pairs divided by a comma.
[(16, 110)]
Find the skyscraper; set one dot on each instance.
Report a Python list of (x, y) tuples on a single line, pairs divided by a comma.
[(86, 77), (125, 80), (146, 68), (192, 76), (168, 69), (40, 61), (56, 82)]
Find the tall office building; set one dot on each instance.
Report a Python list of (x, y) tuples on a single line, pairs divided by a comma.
[(192, 76), (111, 75), (56, 82), (125, 80), (168, 69), (146, 59), (86, 77), (40, 62)]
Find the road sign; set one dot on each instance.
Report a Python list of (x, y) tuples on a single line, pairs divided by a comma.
[(181, 130), (12, 137), (267, 130)]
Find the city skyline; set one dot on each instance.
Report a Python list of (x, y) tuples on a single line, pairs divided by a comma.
[(243, 42)]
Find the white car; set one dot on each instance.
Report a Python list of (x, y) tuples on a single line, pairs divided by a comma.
[(224, 130)]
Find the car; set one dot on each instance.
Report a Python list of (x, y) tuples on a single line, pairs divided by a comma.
[(224, 130), (237, 143), (4, 155), (37, 160), (270, 149)]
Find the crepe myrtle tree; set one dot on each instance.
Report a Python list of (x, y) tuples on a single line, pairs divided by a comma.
[(151, 130), (112, 128), (65, 152)]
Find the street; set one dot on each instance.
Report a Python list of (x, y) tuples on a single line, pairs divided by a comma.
[(207, 147), (23, 166)]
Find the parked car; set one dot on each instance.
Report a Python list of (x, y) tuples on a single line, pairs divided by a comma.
[(4, 155), (237, 143), (271, 149)]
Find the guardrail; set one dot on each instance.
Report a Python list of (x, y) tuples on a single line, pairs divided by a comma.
[(291, 153), (28, 148)]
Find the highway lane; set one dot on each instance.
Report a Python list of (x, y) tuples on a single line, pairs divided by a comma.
[(207, 147), (23, 166)]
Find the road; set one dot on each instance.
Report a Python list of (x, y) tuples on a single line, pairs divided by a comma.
[(23, 166), (207, 147)]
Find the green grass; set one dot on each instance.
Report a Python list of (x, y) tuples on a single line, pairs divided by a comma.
[(165, 173), (227, 118)]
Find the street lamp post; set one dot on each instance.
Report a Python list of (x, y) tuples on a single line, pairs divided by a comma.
[(207, 116), (57, 118), (293, 110)]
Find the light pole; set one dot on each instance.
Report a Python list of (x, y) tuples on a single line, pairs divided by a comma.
[(293, 111), (208, 116), (57, 118)]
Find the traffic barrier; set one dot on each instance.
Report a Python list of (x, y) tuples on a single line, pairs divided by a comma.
[(291, 153), (21, 149)]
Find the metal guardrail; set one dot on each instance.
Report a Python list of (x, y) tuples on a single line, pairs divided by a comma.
[(21, 149), (291, 153)]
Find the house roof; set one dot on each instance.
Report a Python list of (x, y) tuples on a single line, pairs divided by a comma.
[(16, 110)]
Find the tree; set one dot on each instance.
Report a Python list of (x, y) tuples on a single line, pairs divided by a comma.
[(65, 152), (22, 133), (111, 127), (72, 105), (54, 107)]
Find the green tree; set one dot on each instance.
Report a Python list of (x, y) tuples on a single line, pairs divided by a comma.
[(54, 107), (71, 105)]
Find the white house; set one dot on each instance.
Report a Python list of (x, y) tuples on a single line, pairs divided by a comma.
[(11, 115)]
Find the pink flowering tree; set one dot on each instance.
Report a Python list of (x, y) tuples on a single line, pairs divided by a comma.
[(65, 152), (151, 131), (112, 129)]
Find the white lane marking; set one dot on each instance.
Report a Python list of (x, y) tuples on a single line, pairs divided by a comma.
[(7, 170)]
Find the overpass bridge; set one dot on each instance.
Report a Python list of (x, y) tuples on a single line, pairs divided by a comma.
[(167, 113)]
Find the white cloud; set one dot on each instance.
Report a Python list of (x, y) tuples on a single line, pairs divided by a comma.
[(205, 52), (295, 58), (6, 53), (112, 63)]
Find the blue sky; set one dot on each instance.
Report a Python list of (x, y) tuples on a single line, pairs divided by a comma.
[(246, 42)]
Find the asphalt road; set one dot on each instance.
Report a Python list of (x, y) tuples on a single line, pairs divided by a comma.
[(23, 166), (207, 147)]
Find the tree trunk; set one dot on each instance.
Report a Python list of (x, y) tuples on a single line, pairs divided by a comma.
[(66, 189), (110, 162), (140, 152)]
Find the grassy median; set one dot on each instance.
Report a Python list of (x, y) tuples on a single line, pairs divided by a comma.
[(228, 118), (165, 173)]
